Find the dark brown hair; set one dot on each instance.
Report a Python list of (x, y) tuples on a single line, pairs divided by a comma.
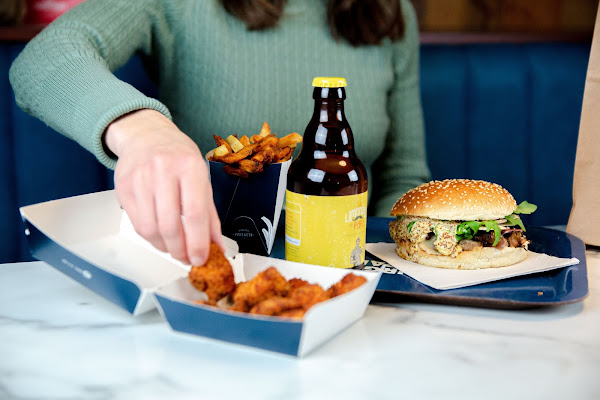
[(359, 22)]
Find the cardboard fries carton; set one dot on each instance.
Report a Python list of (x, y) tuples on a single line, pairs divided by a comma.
[(89, 239), (249, 208)]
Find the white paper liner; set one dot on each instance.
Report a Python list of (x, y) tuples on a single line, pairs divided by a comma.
[(443, 279)]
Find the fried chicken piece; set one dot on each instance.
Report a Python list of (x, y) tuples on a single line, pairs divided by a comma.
[(274, 305), (308, 295), (293, 313), (266, 284), (346, 284), (297, 282), (215, 277), (207, 302), (302, 295)]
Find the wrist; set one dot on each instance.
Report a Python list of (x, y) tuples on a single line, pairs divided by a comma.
[(129, 127)]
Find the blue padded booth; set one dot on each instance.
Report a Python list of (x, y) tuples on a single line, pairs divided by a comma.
[(507, 113)]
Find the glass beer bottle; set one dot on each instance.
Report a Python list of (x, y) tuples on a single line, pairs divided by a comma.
[(326, 197)]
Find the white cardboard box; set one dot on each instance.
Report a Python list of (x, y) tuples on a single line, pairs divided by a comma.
[(88, 238)]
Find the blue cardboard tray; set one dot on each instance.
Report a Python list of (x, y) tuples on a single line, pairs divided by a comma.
[(555, 287)]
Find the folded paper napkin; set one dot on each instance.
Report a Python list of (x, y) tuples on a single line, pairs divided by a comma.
[(442, 279)]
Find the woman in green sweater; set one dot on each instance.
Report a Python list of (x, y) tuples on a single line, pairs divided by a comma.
[(222, 67)]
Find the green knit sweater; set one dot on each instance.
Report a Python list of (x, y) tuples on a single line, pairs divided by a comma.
[(216, 77)]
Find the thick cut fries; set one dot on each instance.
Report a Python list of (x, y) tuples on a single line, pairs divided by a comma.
[(235, 144), (245, 140), (221, 151), (256, 138), (290, 140), (265, 156), (265, 130), (249, 154), (221, 142), (283, 154), (240, 155), (235, 171), (268, 141), (250, 166)]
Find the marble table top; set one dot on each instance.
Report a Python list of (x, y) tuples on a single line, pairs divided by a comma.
[(58, 340)]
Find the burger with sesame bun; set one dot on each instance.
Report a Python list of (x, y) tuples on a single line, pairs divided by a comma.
[(460, 224)]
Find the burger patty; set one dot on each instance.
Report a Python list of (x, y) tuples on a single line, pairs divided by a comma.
[(422, 236), (510, 238)]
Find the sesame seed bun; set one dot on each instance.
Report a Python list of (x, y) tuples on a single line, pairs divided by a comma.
[(456, 200), (480, 258)]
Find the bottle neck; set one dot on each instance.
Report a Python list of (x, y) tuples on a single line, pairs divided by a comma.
[(328, 131), (329, 105), (329, 111)]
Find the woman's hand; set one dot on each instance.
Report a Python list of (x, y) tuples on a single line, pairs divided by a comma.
[(160, 176)]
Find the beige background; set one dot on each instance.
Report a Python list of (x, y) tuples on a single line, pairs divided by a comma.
[(548, 16)]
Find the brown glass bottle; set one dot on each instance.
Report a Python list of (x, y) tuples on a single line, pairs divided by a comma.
[(327, 164), (332, 182)]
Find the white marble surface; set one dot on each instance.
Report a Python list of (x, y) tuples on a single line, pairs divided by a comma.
[(58, 340)]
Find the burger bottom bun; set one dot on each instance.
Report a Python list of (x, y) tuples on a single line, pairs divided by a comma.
[(480, 258)]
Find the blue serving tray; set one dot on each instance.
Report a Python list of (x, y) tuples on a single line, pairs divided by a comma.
[(555, 287)]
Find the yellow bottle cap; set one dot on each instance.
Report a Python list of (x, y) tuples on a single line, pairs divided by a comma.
[(329, 82)]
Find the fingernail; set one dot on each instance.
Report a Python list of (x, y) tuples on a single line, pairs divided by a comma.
[(197, 261)]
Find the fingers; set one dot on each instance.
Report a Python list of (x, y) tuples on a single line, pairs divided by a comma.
[(197, 205), (145, 219), (215, 224), (160, 177), (168, 211), (132, 194), (156, 198)]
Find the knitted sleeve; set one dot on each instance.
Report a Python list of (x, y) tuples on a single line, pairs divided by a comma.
[(403, 164), (64, 75)]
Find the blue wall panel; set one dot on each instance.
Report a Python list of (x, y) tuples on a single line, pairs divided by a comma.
[(48, 165), (9, 218), (443, 90), (498, 116)]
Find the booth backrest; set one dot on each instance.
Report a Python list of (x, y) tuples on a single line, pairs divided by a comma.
[(504, 113), (507, 114)]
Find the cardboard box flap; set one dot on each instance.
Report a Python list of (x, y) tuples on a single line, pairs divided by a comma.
[(81, 236)]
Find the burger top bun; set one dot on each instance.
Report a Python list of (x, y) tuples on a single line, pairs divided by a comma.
[(456, 200)]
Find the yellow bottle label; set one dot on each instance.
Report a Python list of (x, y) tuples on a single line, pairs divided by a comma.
[(326, 230)]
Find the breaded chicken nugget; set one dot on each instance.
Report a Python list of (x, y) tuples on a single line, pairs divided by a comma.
[(293, 313), (308, 295), (264, 285), (274, 305), (301, 295), (215, 277), (346, 284)]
